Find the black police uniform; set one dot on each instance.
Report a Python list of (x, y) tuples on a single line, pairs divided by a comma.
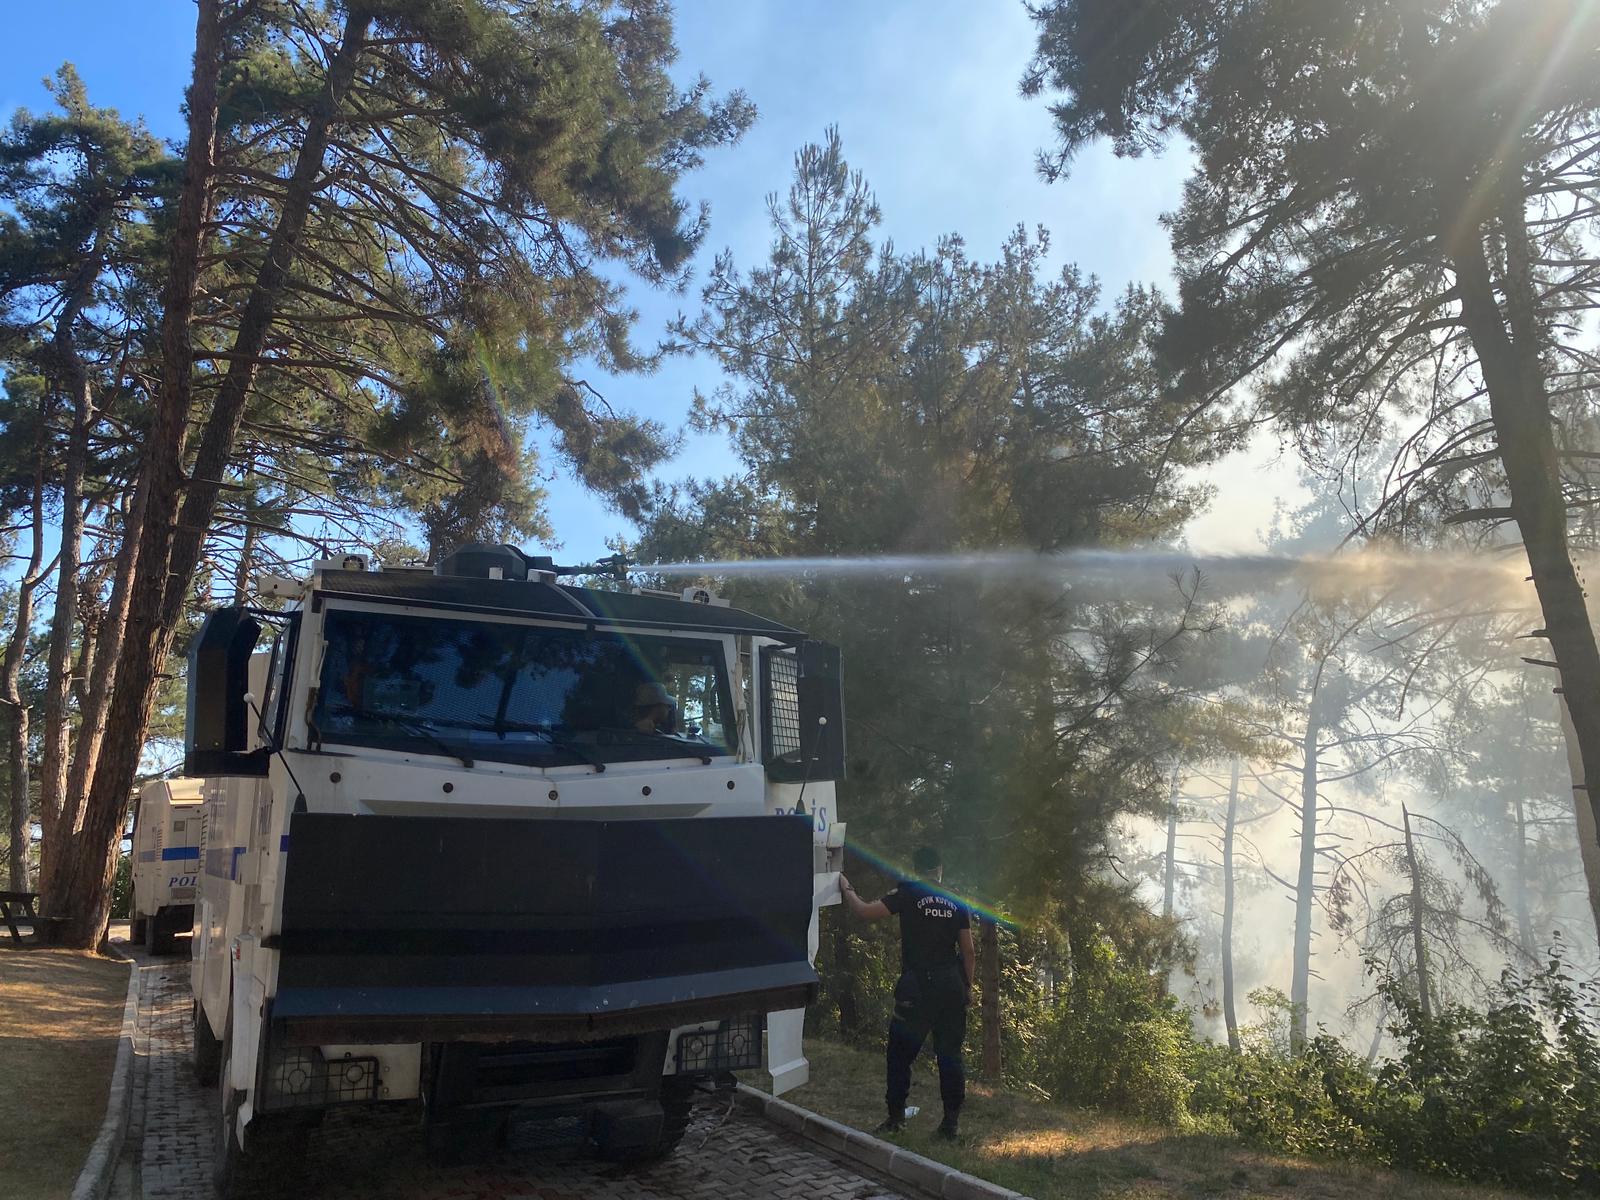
[(931, 995)]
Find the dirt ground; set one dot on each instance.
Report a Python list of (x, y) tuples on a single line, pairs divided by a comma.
[(60, 1016)]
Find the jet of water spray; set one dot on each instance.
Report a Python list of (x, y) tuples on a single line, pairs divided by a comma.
[(1411, 574)]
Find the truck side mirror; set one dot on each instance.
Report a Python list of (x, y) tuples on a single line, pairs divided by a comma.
[(802, 713), (216, 734)]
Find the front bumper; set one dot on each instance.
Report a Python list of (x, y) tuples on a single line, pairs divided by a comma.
[(405, 929)]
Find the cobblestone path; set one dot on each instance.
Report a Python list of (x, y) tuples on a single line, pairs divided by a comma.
[(376, 1154)]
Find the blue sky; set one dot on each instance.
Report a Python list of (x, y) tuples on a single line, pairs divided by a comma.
[(924, 93)]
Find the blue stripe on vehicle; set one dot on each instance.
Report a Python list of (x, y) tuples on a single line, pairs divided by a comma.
[(174, 852), (223, 862), (283, 843)]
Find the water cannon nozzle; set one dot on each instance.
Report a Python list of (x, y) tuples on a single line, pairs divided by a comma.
[(614, 565)]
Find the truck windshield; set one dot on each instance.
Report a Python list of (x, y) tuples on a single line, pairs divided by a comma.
[(518, 693)]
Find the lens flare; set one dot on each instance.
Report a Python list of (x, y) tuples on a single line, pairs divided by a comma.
[(897, 869)]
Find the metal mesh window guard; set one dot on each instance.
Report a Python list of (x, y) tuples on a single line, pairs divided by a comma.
[(783, 712)]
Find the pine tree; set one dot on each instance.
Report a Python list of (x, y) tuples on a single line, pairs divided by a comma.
[(77, 185), (376, 195), (885, 403), (1388, 229)]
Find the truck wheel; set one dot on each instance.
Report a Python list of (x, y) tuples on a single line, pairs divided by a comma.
[(207, 1054), (677, 1106), (227, 1163), (275, 1146), (465, 1137), (137, 931), (162, 939)]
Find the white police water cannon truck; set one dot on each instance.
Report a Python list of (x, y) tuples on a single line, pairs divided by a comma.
[(518, 853), (166, 862)]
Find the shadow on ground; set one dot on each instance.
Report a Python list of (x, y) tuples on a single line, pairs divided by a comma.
[(60, 1018)]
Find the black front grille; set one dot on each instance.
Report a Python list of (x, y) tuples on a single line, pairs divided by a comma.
[(510, 1073), (533, 1132), (517, 1070), (299, 1076), (734, 1045)]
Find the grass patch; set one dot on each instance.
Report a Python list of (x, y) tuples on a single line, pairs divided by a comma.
[(60, 1017), (1050, 1151)]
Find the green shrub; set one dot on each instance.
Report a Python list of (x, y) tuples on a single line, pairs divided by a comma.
[(1116, 1039), (1025, 1007), (857, 967), (1509, 1096), (1306, 1105)]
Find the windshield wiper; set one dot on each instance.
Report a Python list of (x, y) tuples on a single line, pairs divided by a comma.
[(420, 726), (557, 739), (655, 737)]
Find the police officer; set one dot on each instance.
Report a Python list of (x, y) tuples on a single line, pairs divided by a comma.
[(935, 987)]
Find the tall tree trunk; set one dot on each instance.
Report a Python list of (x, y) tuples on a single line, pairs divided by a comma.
[(1519, 405), (1583, 813), (79, 893), (241, 577), (1305, 884), (1170, 876), (90, 616), (1229, 1014), (96, 701), (989, 1002), (74, 377), (17, 790), (1419, 946), (222, 427), (11, 676), (1377, 1036), (1080, 954), (159, 595), (64, 618), (1524, 923)]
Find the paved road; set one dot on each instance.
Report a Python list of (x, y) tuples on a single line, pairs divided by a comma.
[(377, 1155)]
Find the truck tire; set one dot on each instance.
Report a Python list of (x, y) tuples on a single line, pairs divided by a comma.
[(137, 930), (677, 1106), (228, 1173), (465, 1137), (163, 937), (207, 1052), (275, 1146)]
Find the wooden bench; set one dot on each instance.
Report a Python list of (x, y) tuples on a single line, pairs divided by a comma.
[(22, 908)]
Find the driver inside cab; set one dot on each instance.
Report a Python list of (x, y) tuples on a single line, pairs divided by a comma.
[(654, 710)]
